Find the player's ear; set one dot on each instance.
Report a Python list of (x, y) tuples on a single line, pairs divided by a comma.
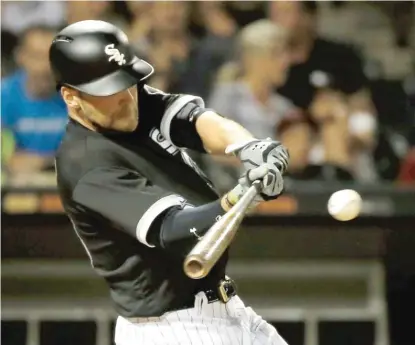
[(70, 97)]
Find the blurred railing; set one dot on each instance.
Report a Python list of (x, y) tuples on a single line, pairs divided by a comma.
[(299, 268)]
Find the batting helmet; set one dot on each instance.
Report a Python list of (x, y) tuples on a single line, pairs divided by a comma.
[(95, 57)]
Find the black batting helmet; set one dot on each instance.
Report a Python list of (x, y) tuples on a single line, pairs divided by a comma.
[(95, 57)]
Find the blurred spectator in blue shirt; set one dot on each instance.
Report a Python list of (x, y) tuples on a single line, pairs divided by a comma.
[(16, 17), (30, 106)]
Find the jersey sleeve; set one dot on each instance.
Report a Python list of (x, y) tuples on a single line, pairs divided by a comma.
[(177, 122), (125, 199)]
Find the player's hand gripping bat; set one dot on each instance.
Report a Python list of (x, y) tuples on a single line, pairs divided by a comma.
[(210, 248)]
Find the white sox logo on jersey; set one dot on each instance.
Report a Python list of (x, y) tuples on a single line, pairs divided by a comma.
[(163, 142), (194, 232), (168, 146), (114, 54)]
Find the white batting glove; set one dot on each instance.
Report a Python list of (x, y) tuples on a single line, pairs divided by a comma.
[(272, 185), (255, 152)]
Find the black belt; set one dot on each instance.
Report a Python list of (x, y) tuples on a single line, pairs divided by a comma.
[(223, 292)]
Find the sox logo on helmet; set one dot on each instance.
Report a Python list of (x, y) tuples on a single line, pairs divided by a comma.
[(114, 54)]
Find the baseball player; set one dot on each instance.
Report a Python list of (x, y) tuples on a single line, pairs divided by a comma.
[(137, 201)]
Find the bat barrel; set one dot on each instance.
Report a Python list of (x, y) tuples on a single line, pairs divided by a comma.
[(211, 247)]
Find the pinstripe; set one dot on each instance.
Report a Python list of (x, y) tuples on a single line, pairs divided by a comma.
[(228, 334), (172, 327), (160, 329), (191, 321), (145, 341), (214, 324), (224, 315), (264, 333), (138, 334), (263, 338), (197, 330), (217, 306), (237, 339), (241, 326), (207, 328), (228, 329), (149, 335), (185, 330), (202, 308)]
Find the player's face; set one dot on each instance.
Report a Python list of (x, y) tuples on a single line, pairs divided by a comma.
[(33, 57), (118, 112)]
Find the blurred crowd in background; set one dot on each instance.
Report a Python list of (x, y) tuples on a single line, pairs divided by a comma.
[(334, 81)]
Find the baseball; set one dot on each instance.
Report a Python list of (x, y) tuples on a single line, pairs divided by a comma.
[(344, 205)]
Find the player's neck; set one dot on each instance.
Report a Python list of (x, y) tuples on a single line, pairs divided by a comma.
[(82, 121)]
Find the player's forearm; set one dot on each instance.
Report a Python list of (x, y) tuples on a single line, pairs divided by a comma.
[(181, 228), (217, 133)]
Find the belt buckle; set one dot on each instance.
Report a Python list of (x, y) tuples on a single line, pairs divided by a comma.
[(222, 291)]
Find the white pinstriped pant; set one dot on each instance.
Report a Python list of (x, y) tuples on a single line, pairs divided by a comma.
[(205, 324)]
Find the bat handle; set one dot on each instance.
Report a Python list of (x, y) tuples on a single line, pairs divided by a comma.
[(258, 185), (210, 248)]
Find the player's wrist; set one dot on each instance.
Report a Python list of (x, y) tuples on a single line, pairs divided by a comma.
[(235, 148)]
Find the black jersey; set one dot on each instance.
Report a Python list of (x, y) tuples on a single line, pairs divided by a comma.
[(114, 185)]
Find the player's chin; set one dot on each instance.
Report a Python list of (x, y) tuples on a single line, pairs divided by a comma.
[(127, 121), (126, 124)]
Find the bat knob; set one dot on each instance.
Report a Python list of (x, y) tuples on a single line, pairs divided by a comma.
[(194, 268), (258, 185)]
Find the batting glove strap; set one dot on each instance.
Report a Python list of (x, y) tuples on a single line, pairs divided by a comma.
[(236, 147), (270, 197)]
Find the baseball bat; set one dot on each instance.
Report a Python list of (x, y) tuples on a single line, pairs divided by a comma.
[(212, 245)]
